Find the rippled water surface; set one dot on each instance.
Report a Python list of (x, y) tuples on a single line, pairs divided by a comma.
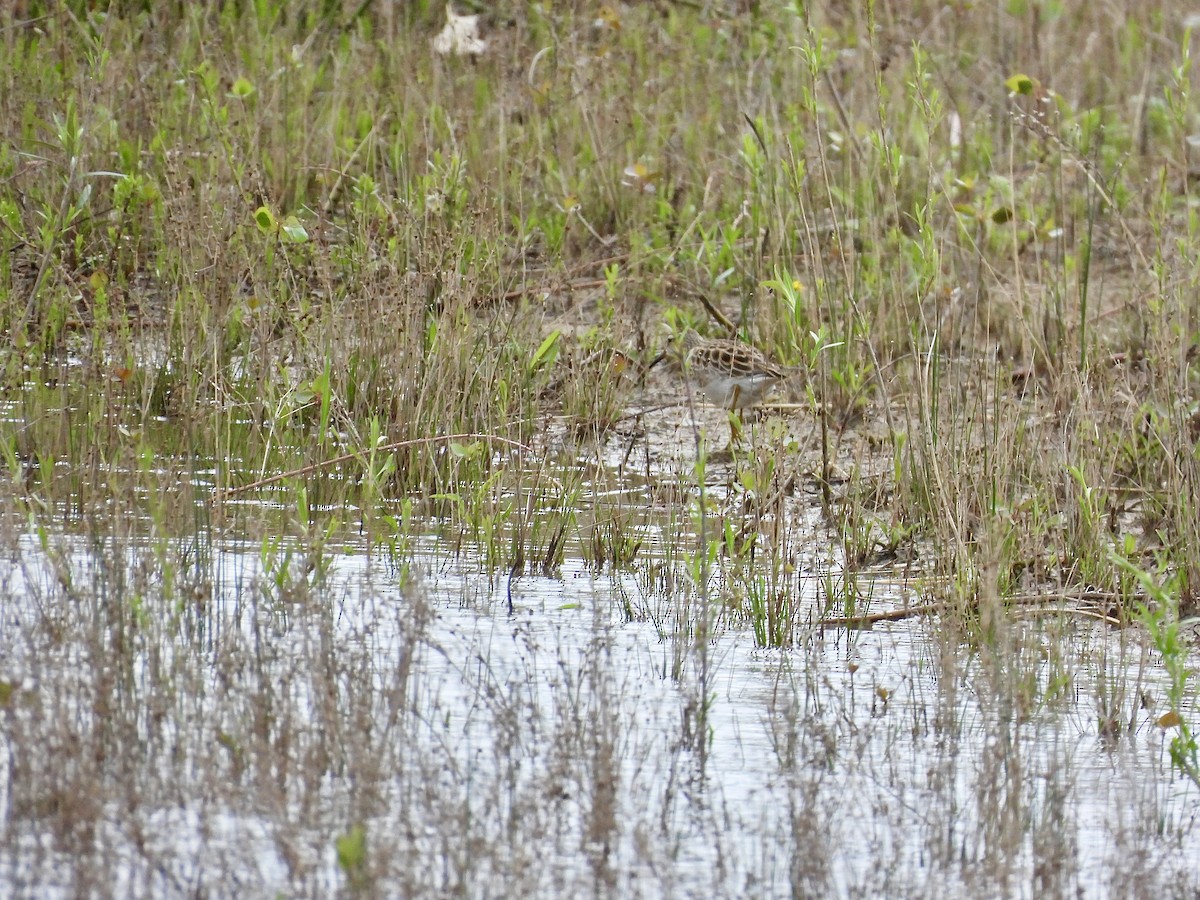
[(235, 741)]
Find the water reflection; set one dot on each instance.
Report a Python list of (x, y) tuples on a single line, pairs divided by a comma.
[(228, 738)]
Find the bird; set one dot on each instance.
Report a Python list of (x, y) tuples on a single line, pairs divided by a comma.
[(731, 373)]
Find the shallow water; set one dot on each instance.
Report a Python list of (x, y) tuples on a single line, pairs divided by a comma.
[(223, 745)]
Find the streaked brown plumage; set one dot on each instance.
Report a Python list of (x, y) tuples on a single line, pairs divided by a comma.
[(731, 373)]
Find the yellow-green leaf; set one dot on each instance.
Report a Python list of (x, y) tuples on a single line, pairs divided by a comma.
[(352, 849), (265, 220), (1020, 84), (242, 88)]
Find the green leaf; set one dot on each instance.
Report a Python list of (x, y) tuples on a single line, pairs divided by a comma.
[(293, 230), (1020, 84), (352, 849), (265, 221), (241, 89), (747, 479), (546, 352)]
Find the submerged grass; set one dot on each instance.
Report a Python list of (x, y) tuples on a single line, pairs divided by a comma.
[(254, 240)]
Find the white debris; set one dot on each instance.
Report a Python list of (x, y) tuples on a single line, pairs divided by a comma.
[(460, 37)]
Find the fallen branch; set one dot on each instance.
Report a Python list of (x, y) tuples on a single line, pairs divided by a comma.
[(359, 454), (927, 609)]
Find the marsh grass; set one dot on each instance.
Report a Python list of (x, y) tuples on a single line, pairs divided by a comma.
[(261, 240)]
